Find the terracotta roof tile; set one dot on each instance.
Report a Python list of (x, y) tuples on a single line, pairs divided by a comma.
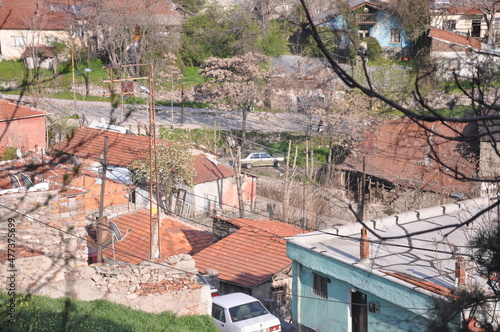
[(15, 14), (89, 143), (123, 149), (250, 255), (398, 151), (425, 284), (12, 111), (455, 38), (208, 170), (176, 238)]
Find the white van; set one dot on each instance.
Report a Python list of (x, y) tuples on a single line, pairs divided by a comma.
[(239, 312)]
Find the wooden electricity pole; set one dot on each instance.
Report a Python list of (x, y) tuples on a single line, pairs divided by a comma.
[(101, 201), (153, 162)]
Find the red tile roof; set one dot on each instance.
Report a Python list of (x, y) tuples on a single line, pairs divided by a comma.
[(18, 14), (88, 143), (466, 10), (425, 284), (12, 111), (398, 151), (250, 255), (208, 170), (455, 38), (176, 238), (123, 149)]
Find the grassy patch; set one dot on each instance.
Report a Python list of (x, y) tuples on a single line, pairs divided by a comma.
[(40, 313)]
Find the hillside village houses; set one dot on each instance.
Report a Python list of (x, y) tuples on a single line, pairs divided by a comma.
[(336, 279)]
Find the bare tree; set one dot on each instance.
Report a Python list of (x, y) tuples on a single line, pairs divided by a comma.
[(466, 306), (134, 31)]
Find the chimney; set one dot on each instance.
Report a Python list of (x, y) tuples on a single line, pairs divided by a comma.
[(460, 272), (364, 246)]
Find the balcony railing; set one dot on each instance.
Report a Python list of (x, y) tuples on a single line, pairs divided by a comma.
[(366, 18)]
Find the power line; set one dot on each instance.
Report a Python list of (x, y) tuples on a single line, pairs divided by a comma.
[(316, 230)]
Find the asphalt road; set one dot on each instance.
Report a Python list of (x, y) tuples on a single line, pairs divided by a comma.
[(166, 116)]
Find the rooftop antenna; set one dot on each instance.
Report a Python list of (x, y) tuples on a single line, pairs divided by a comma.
[(116, 234)]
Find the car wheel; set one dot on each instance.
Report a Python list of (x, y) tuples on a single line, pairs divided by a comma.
[(248, 166), (277, 163)]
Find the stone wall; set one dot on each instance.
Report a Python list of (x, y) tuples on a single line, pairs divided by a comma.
[(43, 247), (47, 222), (147, 286)]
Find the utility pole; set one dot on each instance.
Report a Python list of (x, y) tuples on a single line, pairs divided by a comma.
[(363, 185), (101, 200), (153, 164)]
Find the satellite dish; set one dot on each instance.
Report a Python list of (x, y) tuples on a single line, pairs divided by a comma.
[(26, 180), (115, 230)]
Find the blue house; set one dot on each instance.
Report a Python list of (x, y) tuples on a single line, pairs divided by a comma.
[(347, 282), (373, 20)]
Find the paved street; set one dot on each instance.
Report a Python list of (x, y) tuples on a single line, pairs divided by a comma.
[(193, 117)]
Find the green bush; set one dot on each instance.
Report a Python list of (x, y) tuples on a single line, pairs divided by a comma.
[(374, 48), (9, 153)]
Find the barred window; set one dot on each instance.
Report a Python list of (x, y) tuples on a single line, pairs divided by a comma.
[(320, 285)]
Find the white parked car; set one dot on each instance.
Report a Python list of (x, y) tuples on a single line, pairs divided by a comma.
[(239, 312)]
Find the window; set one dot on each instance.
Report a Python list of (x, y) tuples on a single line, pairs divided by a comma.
[(18, 41), (247, 311), (395, 36), (320, 285), (476, 28), (218, 313), (450, 25)]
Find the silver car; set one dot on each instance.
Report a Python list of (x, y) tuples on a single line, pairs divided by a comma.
[(261, 158)]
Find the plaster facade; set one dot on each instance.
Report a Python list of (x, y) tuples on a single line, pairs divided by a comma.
[(334, 313), (26, 133)]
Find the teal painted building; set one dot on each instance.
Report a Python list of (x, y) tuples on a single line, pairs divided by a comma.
[(390, 290), (373, 21)]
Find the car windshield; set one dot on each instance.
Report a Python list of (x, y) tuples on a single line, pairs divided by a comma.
[(247, 310)]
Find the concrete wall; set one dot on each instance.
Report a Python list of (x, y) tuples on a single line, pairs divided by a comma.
[(465, 63), (220, 195), (24, 132), (488, 167)]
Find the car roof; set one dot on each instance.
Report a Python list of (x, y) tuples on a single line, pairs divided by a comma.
[(230, 300), (257, 151)]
